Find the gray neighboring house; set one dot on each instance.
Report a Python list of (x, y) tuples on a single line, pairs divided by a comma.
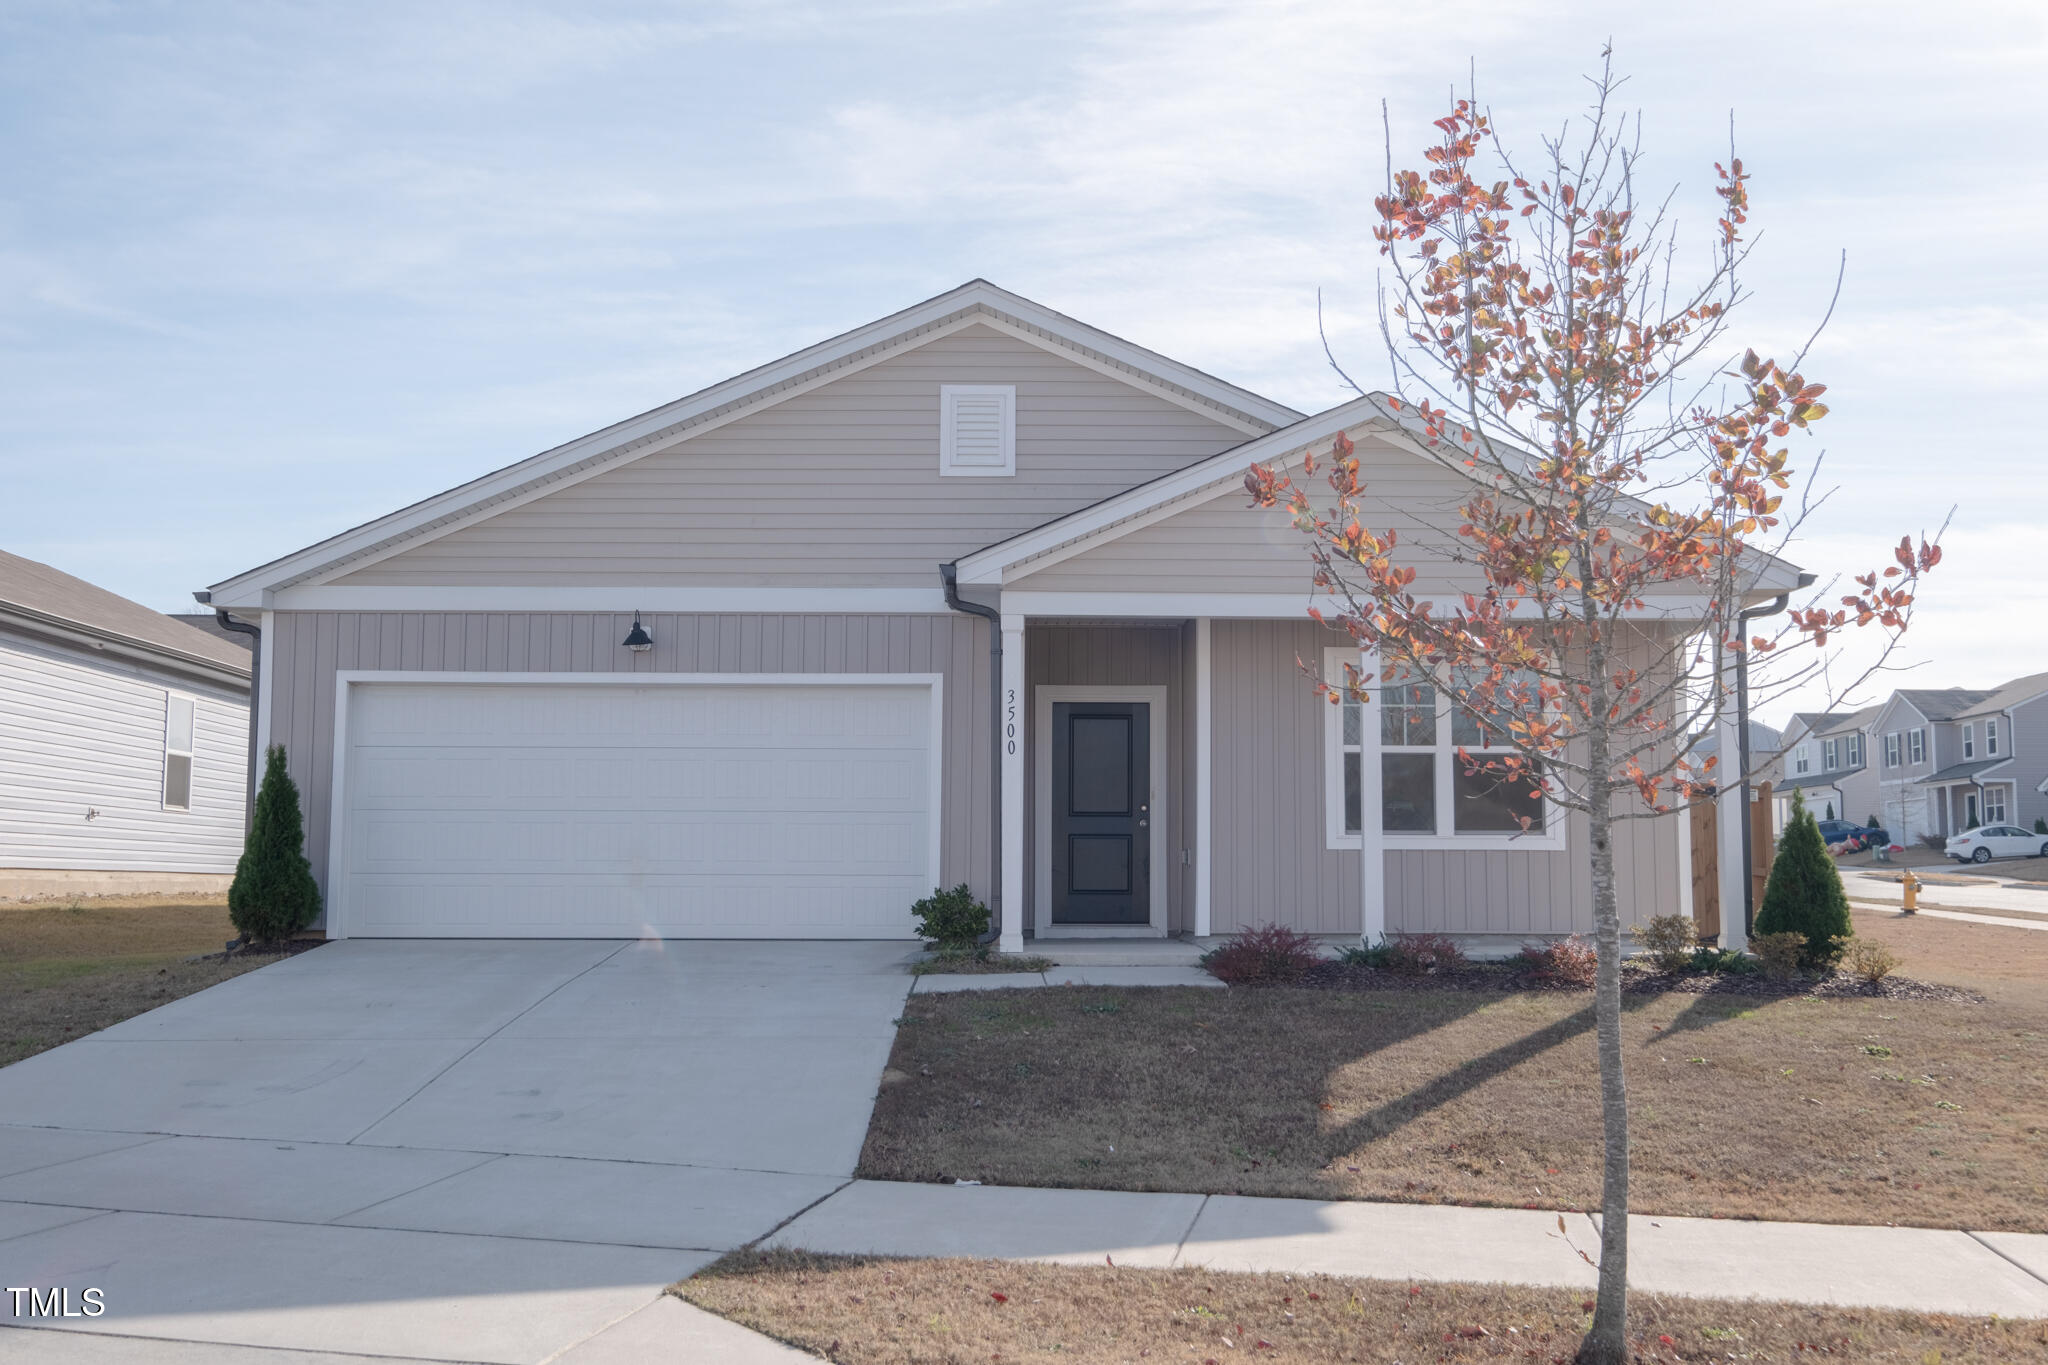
[(1825, 756), (968, 594), (123, 743)]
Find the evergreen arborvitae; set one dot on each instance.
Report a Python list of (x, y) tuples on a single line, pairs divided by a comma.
[(274, 895), (1804, 894)]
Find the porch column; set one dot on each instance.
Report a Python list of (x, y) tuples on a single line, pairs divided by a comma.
[(1205, 810), (1013, 907), (1372, 853), (1731, 814)]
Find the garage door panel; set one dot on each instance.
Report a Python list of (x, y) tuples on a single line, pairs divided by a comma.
[(697, 809)]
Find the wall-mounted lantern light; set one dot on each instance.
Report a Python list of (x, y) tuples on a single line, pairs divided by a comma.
[(637, 639)]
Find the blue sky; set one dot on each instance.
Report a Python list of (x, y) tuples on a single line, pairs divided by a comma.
[(267, 271)]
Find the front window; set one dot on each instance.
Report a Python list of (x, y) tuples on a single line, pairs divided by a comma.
[(177, 752), (1991, 738), (1802, 759), (1994, 805), (1427, 798), (1854, 744), (1969, 741), (1916, 745), (1829, 755), (1891, 750)]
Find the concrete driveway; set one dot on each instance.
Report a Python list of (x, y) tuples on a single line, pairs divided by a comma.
[(478, 1151)]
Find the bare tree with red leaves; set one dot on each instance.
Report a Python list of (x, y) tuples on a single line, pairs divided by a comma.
[(1627, 483)]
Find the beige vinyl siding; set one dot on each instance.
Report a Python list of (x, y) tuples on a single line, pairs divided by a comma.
[(1271, 864), (309, 648), (839, 484), (1226, 545), (84, 732), (1143, 655)]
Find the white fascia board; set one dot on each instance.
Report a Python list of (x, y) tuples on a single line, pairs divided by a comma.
[(1246, 605), (247, 590), (1108, 516), (622, 599)]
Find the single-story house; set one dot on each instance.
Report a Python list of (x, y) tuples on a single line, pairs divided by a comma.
[(123, 743), (969, 594)]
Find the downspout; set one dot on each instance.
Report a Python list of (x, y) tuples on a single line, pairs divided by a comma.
[(950, 573), (1742, 620), (255, 634)]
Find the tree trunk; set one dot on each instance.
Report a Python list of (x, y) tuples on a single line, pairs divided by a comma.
[(1607, 1342)]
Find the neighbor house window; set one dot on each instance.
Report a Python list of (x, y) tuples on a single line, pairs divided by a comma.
[(1412, 733), (1891, 750), (177, 752), (1969, 741), (1802, 759), (1994, 805), (1916, 745), (1830, 755), (1991, 737), (1854, 747)]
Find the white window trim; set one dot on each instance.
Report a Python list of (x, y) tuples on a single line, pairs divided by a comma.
[(1996, 790), (1830, 755), (1990, 736), (1852, 749), (949, 398), (1802, 758), (1916, 745), (1969, 739), (1891, 749), (163, 789), (1551, 839)]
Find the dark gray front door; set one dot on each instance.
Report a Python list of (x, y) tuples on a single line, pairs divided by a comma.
[(1101, 812)]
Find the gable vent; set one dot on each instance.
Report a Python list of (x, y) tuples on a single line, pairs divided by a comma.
[(978, 429)]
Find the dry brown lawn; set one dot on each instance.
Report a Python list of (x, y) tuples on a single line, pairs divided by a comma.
[(67, 970), (2008, 964), (881, 1312), (1845, 1111)]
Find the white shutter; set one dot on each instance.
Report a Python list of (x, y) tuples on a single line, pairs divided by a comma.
[(978, 429)]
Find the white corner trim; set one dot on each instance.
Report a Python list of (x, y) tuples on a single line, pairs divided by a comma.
[(967, 455), (267, 645), (623, 599), (346, 680), (1205, 767), (1042, 698), (1012, 779)]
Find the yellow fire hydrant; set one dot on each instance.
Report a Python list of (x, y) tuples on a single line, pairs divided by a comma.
[(1912, 899)]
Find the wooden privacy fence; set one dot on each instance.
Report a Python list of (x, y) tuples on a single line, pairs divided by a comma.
[(1706, 860)]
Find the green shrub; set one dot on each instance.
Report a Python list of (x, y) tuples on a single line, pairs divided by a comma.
[(1722, 960), (1669, 940), (1804, 894), (2041, 824), (1272, 956), (952, 919), (274, 895), (1870, 822), (1781, 953), (1361, 955)]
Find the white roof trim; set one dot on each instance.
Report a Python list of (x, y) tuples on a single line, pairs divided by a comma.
[(1152, 502), (977, 301)]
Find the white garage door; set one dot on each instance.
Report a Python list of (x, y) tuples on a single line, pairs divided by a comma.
[(679, 810)]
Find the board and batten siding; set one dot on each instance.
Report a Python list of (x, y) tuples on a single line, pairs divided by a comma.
[(1271, 864), (81, 733), (310, 648), (1144, 654), (840, 484)]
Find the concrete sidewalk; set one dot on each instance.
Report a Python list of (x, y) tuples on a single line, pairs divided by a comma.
[(1927, 1269), (1982, 895)]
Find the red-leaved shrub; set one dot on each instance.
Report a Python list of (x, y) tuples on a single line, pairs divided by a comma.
[(1272, 956), (1423, 954), (1567, 962)]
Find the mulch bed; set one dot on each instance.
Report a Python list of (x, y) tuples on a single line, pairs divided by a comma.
[(1635, 980)]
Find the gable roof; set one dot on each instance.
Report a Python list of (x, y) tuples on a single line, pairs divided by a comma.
[(976, 302), (1386, 418), (37, 595), (2008, 695), (1941, 703)]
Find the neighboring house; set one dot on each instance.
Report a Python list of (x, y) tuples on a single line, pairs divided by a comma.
[(1825, 757), (123, 742), (1764, 742), (1928, 762), (970, 594)]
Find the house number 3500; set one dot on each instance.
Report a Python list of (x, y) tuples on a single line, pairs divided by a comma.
[(1010, 721)]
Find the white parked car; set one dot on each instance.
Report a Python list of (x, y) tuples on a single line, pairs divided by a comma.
[(1982, 844)]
